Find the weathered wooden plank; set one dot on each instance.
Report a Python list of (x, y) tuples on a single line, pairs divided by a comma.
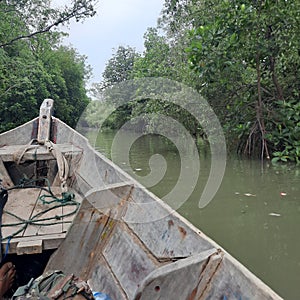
[(102, 279), (110, 196), (79, 184), (125, 248), (51, 241), (38, 152), (128, 260), (233, 281), (4, 176), (164, 233), (96, 170), (78, 253), (207, 274), (30, 247), (56, 224), (52, 171), (20, 203), (18, 136), (45, 121), (69, 149), (67, 221), (177, 280)]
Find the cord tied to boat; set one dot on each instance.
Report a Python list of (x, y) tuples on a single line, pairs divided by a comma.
[(43, 140), (19, 155), (62, 164)]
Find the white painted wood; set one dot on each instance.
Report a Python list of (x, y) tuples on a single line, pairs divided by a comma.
[(21, 135), (102, 279), (182, 277), (39, 207), (233, 281), (45, 121), (130, 251), (30, 247), (85, 236), (50, 242), (25, 204), (21, 203), (163, 233), (128, 260), (37, 152)]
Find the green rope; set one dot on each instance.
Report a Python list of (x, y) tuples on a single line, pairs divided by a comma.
[(66, 197), (28, 183), (66, 200)]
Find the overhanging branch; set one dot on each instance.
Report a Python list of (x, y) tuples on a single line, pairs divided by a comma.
[(80, 10)]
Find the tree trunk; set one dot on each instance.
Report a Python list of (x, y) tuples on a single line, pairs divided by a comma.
[(259, 111)]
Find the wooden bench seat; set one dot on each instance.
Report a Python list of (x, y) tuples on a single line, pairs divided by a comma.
[(40, 152)]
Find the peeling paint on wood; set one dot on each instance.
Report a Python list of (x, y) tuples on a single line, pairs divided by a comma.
[(128, 242)]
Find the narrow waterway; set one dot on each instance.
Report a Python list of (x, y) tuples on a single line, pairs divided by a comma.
[(255, 214)]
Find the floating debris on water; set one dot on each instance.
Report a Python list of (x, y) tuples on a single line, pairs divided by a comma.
[(274, 214)]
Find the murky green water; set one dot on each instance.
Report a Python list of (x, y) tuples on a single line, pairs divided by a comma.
[(255, 214)]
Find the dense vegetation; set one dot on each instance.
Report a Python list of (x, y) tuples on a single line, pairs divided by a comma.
[(34, 65), (242, 56)]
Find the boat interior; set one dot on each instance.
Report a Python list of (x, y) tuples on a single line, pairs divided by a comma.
[(70, 208)]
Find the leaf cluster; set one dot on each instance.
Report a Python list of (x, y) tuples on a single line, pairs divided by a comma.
[(33, 64), (241, 55)]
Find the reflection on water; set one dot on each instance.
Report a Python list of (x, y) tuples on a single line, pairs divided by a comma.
[(255, 215)]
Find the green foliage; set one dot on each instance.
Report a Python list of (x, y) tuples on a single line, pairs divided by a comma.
[(242, 52), (119, 67), (69, 72), (286, 133), (33, 66), (32, 18), (96, 112), (160, 59), (157, 60), (242, 56)]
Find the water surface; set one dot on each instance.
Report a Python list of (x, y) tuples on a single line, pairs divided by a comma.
[(255, 214)]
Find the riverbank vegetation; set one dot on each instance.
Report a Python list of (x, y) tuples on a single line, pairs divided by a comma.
[(34, 65), (242, 56)]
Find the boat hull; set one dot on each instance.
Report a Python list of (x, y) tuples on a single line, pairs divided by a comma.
[(130, 244)]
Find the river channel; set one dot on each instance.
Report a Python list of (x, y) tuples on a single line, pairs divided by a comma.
[(255, 215)]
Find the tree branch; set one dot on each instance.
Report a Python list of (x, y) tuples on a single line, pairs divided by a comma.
[(79, 10)]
